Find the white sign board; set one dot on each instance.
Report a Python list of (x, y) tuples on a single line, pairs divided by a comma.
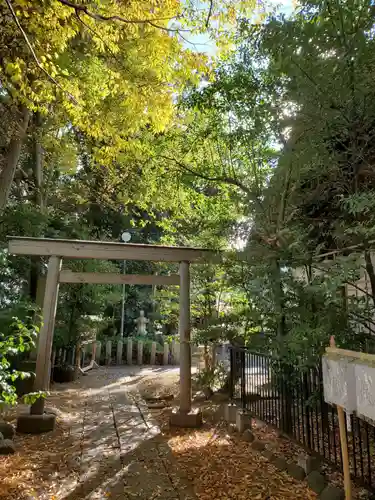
[(339, 382), (365, 390)]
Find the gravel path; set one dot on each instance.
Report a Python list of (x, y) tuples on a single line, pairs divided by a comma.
[(105, 446)]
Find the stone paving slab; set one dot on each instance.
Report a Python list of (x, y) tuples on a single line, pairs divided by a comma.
[(122, 454)]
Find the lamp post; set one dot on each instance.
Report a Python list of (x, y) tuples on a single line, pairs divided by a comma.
[(126, 237)]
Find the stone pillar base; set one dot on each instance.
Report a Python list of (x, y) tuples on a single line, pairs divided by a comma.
[(35, 424), (243, 421), (191, 419), (230, 413)]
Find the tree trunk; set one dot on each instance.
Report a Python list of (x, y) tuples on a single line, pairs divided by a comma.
[(71, 321), (77, 363), (206, 357), (13, 155), (38, 162), (284, 388), (370, 272), (279, 300), (34, 277), (213, 354), (37, 167)]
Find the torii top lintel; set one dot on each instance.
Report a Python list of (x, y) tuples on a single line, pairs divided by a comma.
[(81, 249)]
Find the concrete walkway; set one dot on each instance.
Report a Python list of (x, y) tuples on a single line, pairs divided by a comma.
[(122, 454)]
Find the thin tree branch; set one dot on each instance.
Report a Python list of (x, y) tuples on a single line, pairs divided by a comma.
[(340, 250), (94, 33), (188, 41), (101, 17), (223, 179), (343, 31), (168, 30), (365, 321), (320, 90), (55, 82), (350, 283), (209, 13), (220, 155), (360, 289), (230, 148), (284, 196)]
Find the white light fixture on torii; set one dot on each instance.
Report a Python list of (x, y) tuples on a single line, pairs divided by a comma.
[(126, 237)]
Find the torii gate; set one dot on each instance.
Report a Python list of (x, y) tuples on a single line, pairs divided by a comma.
[(57, 249)]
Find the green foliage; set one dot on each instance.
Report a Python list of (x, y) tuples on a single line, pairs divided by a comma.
[(320, 195), (99, 86), (294, 117), (16, 337), (271, 154), (212, 377)]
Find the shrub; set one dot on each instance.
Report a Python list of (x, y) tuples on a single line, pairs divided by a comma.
[(16, 338)]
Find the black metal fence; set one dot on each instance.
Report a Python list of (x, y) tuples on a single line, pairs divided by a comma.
[(292, 400)]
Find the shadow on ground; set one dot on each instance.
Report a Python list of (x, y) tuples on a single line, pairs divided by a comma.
[(222, 466), (103, 447), (147, 472)]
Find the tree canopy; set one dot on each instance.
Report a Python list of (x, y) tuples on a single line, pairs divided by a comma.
[(114, 120)]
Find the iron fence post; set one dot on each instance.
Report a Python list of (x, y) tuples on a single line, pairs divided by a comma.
[(293, 409), (231, 373), (243, 374), (306, 395)]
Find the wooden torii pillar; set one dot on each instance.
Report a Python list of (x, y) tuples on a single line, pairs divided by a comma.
[(40, 421), (43, 360), (185, 344), (185, 416)]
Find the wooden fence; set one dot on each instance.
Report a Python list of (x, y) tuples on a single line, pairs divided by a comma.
[(120, 352)]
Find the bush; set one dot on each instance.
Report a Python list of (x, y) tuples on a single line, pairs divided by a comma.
[(16, 337), (63, 374), (212, 377)]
